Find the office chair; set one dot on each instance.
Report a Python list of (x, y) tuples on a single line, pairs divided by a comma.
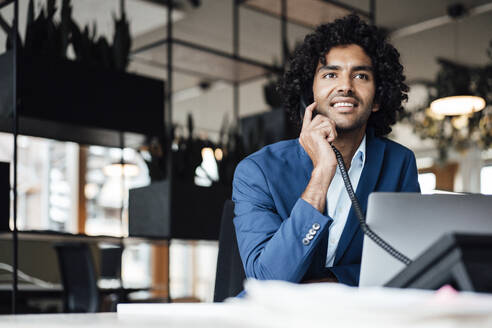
[(110, 262), (80, 292), (230, 272)]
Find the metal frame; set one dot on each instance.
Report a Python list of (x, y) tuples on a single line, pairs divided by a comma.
[(171, 41), (370, 15), (15, 131), (152, 63), (351, 8), (15, 239), (169, 124), (15, 128), (234, 56)]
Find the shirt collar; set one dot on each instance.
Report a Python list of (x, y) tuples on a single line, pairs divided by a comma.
[(360, 153), (359, 158)]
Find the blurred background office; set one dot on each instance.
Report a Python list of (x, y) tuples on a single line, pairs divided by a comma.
[(216, 105)]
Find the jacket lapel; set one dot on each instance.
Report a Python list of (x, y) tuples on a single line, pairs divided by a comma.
[(368, 179)]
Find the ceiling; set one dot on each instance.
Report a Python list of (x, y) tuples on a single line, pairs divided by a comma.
[(211, 25), (465, 41)]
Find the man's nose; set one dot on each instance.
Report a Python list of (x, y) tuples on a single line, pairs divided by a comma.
[(345, 85)]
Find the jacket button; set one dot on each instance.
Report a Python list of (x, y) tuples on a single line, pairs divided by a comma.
[(316, 226), (305, 241), (309, 237), (312, 232)]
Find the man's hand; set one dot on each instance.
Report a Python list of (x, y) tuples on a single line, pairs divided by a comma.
[(315, 138)]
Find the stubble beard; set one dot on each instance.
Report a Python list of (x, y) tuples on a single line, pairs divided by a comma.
[(359, 123)]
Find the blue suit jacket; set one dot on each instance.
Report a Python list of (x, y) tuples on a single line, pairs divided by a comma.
[(271, 219)]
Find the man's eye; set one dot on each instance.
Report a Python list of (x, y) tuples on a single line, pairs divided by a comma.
[(330, 75), (362, 76)]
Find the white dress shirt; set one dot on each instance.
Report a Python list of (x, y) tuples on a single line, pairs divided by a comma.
[(338, 203)]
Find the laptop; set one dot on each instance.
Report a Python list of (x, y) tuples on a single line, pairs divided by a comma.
[(411, 222)]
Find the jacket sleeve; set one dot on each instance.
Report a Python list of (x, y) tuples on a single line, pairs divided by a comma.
[(409, 179), (271, 247)]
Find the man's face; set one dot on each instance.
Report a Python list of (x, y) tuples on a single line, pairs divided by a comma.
[(344, 87)]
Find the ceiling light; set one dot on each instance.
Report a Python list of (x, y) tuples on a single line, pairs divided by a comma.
[(457, 105), (433, 115), (118, 169)]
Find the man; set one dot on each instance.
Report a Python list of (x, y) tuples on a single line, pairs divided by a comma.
[(293, 216)]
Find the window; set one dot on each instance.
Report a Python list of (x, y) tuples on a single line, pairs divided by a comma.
[(192, 269), (48, 192), (46, 182), (106, 191)]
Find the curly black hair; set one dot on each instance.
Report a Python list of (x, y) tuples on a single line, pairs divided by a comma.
[(390, 87)]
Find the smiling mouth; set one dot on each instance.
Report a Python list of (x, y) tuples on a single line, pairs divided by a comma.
[(344, 105)]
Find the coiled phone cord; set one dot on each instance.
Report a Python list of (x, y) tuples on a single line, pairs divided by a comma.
[(358, 211)]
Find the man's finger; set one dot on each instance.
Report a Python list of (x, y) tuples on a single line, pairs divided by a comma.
[(318, 120), (308, 114), (328, 130), (334, 125)]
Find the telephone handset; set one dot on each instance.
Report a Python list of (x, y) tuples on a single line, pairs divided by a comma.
[(305, 100)]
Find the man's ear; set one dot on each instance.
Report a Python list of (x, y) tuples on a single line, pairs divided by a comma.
[(375, 107)]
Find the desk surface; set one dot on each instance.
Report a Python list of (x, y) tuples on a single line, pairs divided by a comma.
[(237, 315), (106, 320), (220, 318), (65, 320), (276, 304)]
